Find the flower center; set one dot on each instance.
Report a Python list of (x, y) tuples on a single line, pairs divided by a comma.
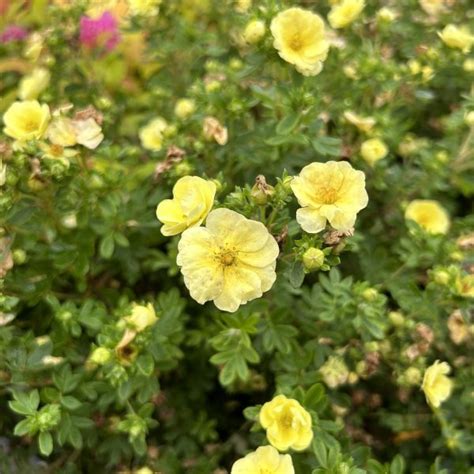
[(328, 195), (226, 257), (30, 125), (296, 42), (56, 150)]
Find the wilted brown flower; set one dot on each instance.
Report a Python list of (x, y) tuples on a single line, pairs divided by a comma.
[(213, 129)]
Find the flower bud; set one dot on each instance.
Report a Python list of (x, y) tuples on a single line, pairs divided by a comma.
[(370, 294), (184, 108), (396, 318), (469, 119), (412, 376), (254, 31), (100, 356), (142, 316), (441, 277), (261, 191), (313, 259), (19, 256)]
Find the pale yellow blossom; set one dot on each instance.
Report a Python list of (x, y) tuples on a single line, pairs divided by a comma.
[(287, 423), (142, 317), (373, 150), (429, 215), (192, 201), (331, 192), (345, 12), (436, 385), (300, 38), (265, 460), (26, 120), (230, 261), (364, 124), (152, 134), (457, 37), (32, 85)]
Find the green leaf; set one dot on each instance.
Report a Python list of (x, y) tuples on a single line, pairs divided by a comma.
[(287, 124), (296, 274), (107, 245), (398, 465), (327, 146), (320, 451), (145, 364), (70, 402), (24, 427), (45, 443), (315, 397)]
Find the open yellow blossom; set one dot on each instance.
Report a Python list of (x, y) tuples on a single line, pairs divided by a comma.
[(32, 85), (436, 385), (373, 150), (364, 124), (300, 39), (142, 316), (457, 37), (193, 198), (230, 261), (433, 7), (429, 215), (26, 120), (332, 191), (265, 459), (152, 134), (287, 423), (345, 12), (61, 132)]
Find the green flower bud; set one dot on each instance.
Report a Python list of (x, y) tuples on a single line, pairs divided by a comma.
[(313, 259), (441, 277), (396, 318), (370, 294), (100, 356), (19, 256)]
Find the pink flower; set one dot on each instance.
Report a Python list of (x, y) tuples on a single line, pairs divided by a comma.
[(99, 32), (13, 33)]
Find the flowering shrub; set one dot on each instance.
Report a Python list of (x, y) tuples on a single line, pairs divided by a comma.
[(236, 237)]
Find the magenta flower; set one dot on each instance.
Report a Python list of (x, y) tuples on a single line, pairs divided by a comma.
[(13, 33), (101, 32)]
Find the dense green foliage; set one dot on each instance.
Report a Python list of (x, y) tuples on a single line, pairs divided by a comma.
[(81, 243)]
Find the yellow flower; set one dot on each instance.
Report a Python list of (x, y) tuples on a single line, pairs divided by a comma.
[(457, 37), (300, 39), (468, 65), (61, 132), (436, 385), (344, 13), (386, 14), (144, 7), (184, 108), (373, 150), (193, 198), (57, 152), (152, 134), (465, 286), (32, 85), (429, 215), (26, 120), (332, 191), (287, 423), (254, 31), (364, 124), (230, 261), (142, 316), (265, 460), (433, 7)]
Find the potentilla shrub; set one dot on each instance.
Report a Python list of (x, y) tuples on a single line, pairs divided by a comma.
[(236, 237)]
